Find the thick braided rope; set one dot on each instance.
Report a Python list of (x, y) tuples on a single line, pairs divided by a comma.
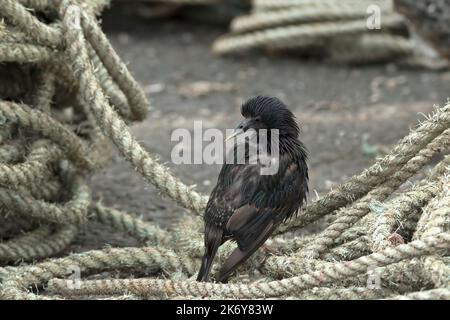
[(48, 127), (435, 269), (352, 293), (435, 217), (262, 20), (24, 53), (35, 169), (14, 35), (45, 91), (406, 203), (410, 204), (115, 96), (29, 24), (379, 172), (400, 277), (286, 244), (434, 294), (92, 6), (282, 4), (346, 217), (50, 191), (437, 213), (408, 220), (61, 66), (2, 29), (137, 100), (147, 258), (41, 243), (10, 153), (125, 222), (161, 288), (118, 131), (302, 35), (73, 211), (396, 211), (412, 199), (185, 1), (46, 35), (349, 250), (349, 31)]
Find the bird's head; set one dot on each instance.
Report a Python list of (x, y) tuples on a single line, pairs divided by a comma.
[(268, 113)]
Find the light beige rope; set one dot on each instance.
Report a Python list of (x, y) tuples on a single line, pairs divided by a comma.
[(149, 287)]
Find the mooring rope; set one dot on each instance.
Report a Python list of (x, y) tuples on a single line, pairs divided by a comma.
[(69, 100)]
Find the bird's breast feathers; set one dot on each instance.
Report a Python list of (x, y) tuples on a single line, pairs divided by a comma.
[(242, 186)]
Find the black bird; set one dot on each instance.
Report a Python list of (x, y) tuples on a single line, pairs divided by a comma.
[(247, 206)]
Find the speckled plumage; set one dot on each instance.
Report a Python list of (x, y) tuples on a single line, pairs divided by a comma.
[(246, 206)]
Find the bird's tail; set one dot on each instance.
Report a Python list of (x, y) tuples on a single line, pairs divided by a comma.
[(213, 239), (239, 256), (203, 274)]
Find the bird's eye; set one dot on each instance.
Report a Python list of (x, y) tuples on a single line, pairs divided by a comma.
[(258, 119)]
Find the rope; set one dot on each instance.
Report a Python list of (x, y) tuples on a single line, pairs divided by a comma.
[(348, 31), (149, 287), (384, 238), (291, 16)]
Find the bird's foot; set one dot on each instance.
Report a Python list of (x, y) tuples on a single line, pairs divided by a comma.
[(268, 250)]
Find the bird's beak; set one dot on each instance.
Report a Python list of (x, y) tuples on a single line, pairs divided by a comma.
[(242, 127), (234, 134)]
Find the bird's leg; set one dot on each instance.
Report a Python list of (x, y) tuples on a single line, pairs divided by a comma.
[(268, 250)]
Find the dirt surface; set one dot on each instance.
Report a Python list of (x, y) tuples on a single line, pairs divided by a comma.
[(348, 115)]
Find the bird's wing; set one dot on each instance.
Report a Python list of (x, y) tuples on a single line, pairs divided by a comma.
[(267, 200), (247, 206), (238, 256)]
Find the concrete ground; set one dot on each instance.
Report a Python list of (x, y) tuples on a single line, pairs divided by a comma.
[(348, 115)]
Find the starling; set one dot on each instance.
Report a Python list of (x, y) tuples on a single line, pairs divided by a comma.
[(245, 205)]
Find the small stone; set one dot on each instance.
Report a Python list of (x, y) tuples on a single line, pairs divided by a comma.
[(124, 38), (154, 88)]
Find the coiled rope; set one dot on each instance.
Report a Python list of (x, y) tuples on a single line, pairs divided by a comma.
[(342, 31)]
